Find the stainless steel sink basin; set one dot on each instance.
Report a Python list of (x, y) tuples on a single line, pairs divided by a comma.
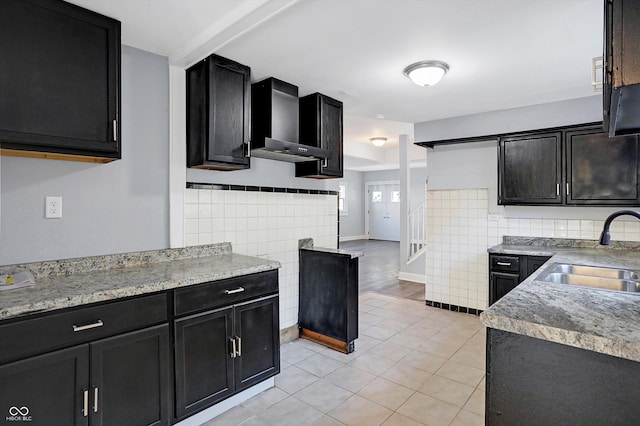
[(594, 271), (595, 282), (593, 276)]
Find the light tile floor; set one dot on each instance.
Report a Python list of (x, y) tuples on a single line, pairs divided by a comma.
[(413, 365)]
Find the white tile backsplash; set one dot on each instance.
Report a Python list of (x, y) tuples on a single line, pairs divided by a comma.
[(460, 229), (263, 224)]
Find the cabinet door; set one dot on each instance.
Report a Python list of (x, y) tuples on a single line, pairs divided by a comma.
[(46, 389), (500, 284), (258, 341), (218, 110), (321, 126), (530, 169), (60, 80), (130, 379), (203, 363), (601, 170), (533, 264)]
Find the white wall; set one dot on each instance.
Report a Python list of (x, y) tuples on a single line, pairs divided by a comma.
[(352, 223), (117, 207)]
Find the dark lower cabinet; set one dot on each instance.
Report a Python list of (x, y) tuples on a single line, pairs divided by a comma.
[(119, 381), (204, 367), (130, 379), (46, 390), (507, 271), (222, 351), (537, 382)]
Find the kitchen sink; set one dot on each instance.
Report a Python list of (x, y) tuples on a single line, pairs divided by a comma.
[(593, 276)]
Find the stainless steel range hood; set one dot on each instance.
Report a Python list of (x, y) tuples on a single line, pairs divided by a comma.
[(274, 124)]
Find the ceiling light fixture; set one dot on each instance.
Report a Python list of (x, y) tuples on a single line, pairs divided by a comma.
[(426, 73), (378, 141)]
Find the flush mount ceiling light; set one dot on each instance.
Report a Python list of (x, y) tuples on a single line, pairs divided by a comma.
[(378, 141), (426, 73)]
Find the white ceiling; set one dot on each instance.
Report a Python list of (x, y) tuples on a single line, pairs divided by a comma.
[(502, 53)]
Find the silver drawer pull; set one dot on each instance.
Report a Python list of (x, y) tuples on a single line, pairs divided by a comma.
[(503, 263), (99, 323), (235, 290)]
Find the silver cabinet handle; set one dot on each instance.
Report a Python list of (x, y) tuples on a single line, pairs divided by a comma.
[(115, 130), (234, 291), (248, 144), (557, 189), (77, 328), (85, 407), (239, 346), (503, 263), (233, 347), (95, 400), (568, 189), (325, 163)]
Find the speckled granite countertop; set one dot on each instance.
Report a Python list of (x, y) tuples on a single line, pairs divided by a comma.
[(307, 244), (73, 282), (598, 320)]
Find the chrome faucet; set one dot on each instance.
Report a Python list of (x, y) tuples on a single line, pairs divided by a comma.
[(605, 237)]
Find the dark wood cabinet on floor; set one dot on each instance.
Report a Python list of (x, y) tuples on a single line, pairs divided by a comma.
[(218, 114), (507, 271), (328, 299), (321, 126), (530, 169), (601, 170), (230, 343), (60, 81)]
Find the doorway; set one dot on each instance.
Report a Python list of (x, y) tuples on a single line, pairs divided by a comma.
[(383, 211)]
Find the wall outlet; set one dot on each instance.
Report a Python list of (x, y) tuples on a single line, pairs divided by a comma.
[(53, 207)]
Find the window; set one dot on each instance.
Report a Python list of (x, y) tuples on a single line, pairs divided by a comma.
[(342, 199)]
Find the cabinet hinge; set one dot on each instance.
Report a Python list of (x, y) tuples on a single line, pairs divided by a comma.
[(115, 130)]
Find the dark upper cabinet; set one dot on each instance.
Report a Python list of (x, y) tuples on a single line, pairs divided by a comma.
[(218, 114), (530, 168), (321, 127), (621, 79), (60, 81), (601, 170)]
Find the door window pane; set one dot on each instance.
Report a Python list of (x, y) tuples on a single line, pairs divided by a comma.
[(395, 196), (376, 196)]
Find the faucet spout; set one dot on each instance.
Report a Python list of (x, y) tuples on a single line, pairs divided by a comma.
[(605, 236)]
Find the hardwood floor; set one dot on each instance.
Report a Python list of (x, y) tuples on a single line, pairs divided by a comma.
[(379, 267)]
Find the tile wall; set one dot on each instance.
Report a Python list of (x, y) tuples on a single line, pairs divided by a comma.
[(263, 224), (457, 247), (460, 229)]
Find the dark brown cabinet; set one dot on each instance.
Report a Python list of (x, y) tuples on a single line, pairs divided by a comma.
[(218, 114), (122, 380), (328, 299), (621, 79), (530, 169), (225, 347), (576, 165), (60, 81), (601, 170), (507, 271), (321, 126)]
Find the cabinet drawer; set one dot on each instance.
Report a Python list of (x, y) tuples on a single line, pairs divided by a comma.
[(224, 292), (32, 336), (505, 263)]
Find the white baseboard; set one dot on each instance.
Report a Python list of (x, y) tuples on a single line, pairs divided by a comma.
[(354, 237), (417, 278), (211, 412)]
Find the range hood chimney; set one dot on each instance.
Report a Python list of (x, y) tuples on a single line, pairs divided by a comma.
[(274, 124)]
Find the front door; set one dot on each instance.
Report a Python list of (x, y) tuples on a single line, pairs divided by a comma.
[(384, 212)]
